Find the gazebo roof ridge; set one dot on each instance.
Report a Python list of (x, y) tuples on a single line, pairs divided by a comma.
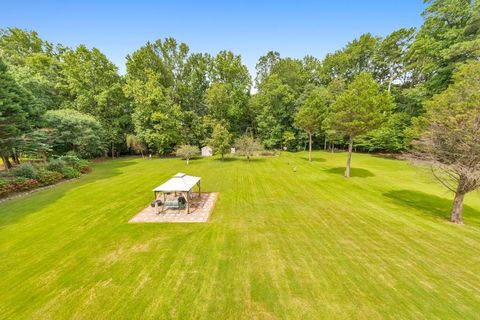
[(179, 182)]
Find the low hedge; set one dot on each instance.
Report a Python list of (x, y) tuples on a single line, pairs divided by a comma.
[(16, 185), (46, 177), (70, 173), (56, 165), (26, 176), (25, 170)]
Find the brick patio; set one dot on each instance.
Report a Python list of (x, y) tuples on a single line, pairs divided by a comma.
[(200, 210)]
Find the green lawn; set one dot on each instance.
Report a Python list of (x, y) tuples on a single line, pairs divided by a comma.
[(280, 244)]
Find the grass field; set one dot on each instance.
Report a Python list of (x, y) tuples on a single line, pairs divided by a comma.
[(279, 245)]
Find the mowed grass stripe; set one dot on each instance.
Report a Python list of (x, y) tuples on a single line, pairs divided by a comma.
[(281, 243)]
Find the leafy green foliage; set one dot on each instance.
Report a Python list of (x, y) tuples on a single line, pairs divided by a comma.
[(274, 106), (70, 173), (171, 97), (16, 185), (451, 139), (221, 140), (357, 57), (16, 111), (135, 144), (46, 177), (25, 170), (313, 111), (390, 137), (94, 87), (75, 131), (75, 162), (431, 55), (156, 118), (187, 152), (247, 146), (228, 94), (361, 108), (56, 165), (358, 110)]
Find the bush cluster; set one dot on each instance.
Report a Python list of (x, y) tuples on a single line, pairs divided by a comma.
[(25, 170), (16, 184), (46, 177), (26, 176)]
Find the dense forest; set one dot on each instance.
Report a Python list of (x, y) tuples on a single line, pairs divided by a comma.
[(55, 99)]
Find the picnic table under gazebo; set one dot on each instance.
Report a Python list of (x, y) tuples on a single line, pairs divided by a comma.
[(180, 184)]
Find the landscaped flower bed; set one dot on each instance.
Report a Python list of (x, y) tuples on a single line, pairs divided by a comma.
[(28, 176)]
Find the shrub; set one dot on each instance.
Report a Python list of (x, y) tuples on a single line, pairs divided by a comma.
[(56, 165), (3, 184), (24, 184), (76, 163), (25, 170), (84, 167), (45, 177), (70, 173), (4, 174), (70, 159), (17, 184)]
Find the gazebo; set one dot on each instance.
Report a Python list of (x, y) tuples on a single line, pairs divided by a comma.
[(180, 183)]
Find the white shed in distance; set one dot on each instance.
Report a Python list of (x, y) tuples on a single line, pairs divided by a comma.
[(207, 151)]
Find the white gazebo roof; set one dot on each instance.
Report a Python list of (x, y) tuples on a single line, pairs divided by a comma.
[(179, 182)]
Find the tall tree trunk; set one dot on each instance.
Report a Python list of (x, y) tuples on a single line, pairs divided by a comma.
[(187, 160), (325, 143), (113, 150), (15, 157), (457, 208), (349, 158), (6, 162), (310, 147), (390, 81), (223, 156)]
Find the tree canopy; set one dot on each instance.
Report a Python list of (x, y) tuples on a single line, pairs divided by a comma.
[(171, 96), (450, 140)]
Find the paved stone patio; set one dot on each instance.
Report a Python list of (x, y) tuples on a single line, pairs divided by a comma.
[(200, 210)]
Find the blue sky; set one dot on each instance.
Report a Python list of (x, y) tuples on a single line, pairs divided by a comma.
[(249, 28)]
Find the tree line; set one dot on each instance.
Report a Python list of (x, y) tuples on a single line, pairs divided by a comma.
[(370, 95)]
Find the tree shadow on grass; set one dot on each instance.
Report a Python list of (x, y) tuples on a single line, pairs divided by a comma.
[(354, 172), (242, 159), (314, 159), (18, 208), (431, 205), (255, 159), (227, 159)]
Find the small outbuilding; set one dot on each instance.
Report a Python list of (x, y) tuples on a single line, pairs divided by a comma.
[(207, 151)]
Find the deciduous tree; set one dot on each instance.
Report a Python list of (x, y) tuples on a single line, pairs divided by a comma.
[(246, 146), (451, 142), (360, 109), (72, 130), (221, 140), (187, 152), (312, 113)]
